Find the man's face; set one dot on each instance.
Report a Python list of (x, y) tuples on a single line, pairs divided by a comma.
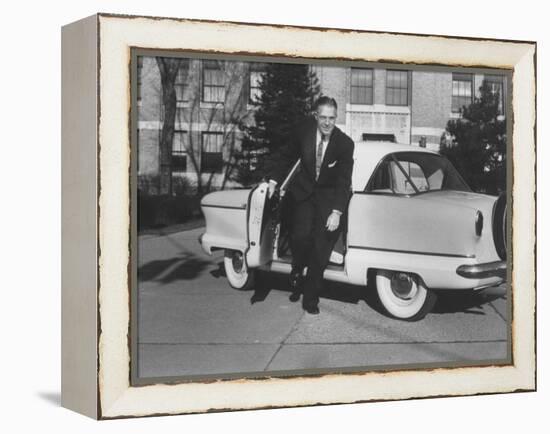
[(326, 118)]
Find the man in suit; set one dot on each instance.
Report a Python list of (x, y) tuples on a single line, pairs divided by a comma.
[(319, 196)]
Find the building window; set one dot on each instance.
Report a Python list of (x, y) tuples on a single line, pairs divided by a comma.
[(496, 84), (182, 82), (462, 91), (179, 151), (212, 152), (256, 73), (397, 87), (361, 86), (213, 81), (139, 72)]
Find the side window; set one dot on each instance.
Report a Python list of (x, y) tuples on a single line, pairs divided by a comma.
[(407, 173), (435, 179), (381, 182), (401, 184)]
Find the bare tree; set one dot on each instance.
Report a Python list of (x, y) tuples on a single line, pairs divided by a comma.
[(220, 117), (168, 68)]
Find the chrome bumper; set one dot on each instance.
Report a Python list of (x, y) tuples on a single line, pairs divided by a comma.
[(480, 271)]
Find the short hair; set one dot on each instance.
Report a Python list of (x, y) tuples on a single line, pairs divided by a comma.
[(325, 100)]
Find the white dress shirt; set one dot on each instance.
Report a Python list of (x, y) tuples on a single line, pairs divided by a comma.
[(325, 144)]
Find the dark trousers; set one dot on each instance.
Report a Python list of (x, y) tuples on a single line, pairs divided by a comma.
[(311, 244)]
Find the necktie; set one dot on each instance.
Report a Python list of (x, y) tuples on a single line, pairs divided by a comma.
[(319, 159)]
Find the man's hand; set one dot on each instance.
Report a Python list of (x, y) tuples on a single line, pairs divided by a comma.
[(333, 221)]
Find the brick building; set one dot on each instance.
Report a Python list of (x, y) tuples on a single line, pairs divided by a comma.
[(406, 106)]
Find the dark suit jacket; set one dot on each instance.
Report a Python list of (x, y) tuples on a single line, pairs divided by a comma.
[(332, 188)]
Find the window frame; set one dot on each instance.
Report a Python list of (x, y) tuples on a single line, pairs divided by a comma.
[(258, 68), (399, 88), (202, 162), (371, 87), (495, 79), (183, 84), (207, 65), (461, 77), (180, 153)]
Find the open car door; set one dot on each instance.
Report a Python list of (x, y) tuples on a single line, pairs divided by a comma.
[(264, 221), (261, 227)]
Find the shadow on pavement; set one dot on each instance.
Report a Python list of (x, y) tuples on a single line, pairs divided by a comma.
[(464, 301), (353, 294), (265, 282), (218, 272), (186, 266), (342, 292), (448, 301)]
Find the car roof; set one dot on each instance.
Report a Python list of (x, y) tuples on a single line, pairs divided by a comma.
[(367, 155)]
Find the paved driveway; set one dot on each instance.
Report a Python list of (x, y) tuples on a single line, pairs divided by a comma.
[(192, 322)]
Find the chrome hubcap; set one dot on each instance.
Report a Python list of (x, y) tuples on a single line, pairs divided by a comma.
[(237, 261), (403, 286)]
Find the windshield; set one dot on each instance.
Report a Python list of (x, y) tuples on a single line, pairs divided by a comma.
[(413, 173)]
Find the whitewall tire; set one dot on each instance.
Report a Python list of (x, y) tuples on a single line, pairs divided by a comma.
[(404, 295), (236, 270)]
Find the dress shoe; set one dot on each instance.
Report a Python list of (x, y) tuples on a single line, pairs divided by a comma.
[(312, 310), (294, 297)]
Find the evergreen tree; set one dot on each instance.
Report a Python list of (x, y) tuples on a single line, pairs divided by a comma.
[(287, 94), (478, 145)]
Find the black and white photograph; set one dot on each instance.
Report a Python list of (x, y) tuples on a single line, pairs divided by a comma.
[(297, 217)]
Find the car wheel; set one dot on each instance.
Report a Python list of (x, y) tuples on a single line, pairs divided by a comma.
[(404, 295), (236, 270)]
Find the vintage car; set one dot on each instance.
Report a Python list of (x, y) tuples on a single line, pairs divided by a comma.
[(412, 224)]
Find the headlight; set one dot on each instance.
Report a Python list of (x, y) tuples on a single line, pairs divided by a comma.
[(479, 223)]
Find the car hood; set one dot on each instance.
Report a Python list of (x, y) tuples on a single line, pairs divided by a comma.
[(466, 199)]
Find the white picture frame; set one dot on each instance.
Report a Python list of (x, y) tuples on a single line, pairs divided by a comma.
[(96, 281)]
